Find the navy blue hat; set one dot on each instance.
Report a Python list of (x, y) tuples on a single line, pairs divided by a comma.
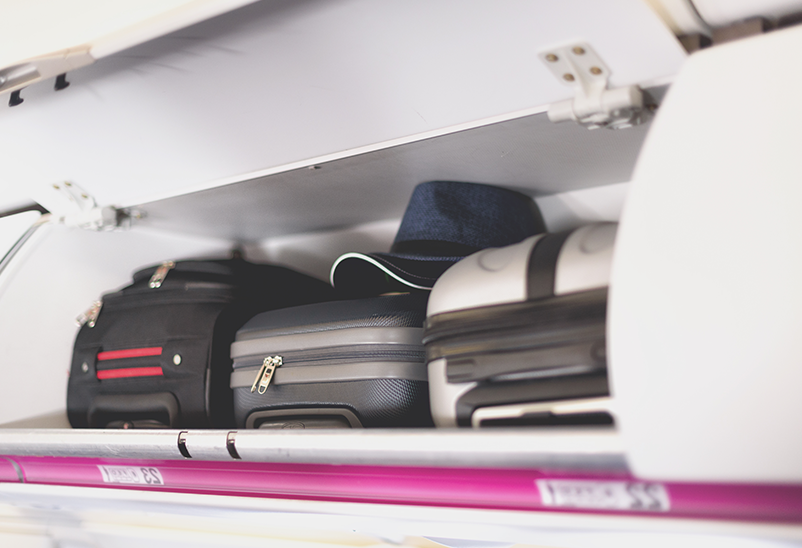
[(445, 221)]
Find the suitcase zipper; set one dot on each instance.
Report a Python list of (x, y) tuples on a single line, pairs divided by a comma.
[(340, 355), (161, 273), (265, 373)]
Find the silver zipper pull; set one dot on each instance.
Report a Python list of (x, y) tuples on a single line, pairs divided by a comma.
[(265, 374), (90, 316), (161, 273), (258, 376)]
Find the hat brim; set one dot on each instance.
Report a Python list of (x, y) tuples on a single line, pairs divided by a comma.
[(374, 273)]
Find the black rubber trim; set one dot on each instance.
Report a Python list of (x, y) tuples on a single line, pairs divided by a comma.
[(17, 469), (299, 415), (513, 338), (551, 389), (106, 408), (231, 445), (182, 445), (548, 360), (499, 321), (543, 265), (549, 419), (23, 209)]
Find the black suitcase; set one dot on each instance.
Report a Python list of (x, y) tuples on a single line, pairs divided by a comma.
[(344, 364), (156, 353), (516, 335)]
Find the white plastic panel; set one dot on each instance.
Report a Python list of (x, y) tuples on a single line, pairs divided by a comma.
[(281, 81), (45, 38), (706, 301), (526, 153), (574, 208), (40, 27)]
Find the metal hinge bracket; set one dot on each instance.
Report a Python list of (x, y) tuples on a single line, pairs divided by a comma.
[(71, 205), (594, 105)]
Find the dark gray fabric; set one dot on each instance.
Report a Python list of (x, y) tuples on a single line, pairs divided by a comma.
[(468, 214)]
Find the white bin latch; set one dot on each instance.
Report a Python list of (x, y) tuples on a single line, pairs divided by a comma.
[(580, 67), (16, 77), (71, 205)]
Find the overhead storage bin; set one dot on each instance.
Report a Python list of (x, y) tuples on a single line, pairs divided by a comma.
[(294, 132)]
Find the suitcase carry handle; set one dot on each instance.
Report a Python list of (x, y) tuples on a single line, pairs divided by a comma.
[(162, 407), (303, 418)]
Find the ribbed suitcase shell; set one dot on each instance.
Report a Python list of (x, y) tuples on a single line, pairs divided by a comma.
[(521, 325), (344, 364)]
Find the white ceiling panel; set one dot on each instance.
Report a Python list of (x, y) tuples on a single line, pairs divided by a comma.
[(283, 81)]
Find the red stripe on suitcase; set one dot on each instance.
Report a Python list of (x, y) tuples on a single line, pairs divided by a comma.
[(130, 372), (129, 353)]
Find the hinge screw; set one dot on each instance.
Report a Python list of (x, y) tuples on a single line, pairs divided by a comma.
[(595, 70), (578, 50), (568, 77), (85, 367), (551, 58), (177, 359)]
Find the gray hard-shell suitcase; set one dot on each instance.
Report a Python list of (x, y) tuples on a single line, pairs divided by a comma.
[(516, 335), (341, 364)]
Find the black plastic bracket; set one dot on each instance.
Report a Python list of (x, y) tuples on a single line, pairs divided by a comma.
[(15, 98), (61, 82), (231, 445), (182, 445)]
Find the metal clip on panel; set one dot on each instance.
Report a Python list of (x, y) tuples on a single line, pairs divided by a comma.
[(75, 207)]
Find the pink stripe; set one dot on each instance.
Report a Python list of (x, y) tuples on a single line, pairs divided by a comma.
[(130, 372), (130, 353), (498, 489)]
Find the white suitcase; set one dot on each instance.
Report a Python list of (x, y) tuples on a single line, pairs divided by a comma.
[(516, 335)]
